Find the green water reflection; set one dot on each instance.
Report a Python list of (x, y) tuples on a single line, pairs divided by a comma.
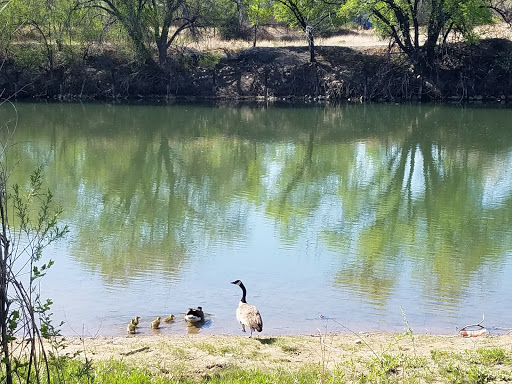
[(386, 188)]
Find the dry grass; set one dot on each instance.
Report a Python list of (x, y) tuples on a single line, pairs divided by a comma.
[(498, 30), (283, 37)]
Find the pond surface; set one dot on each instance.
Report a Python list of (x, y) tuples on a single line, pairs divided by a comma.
[(360, 217)]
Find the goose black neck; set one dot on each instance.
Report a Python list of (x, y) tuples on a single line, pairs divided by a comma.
[(244, 292)]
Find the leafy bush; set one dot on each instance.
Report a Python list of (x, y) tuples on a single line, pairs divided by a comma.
[(29, 55), (209, 60)]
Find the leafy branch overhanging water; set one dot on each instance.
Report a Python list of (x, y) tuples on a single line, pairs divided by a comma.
[(28, 225)]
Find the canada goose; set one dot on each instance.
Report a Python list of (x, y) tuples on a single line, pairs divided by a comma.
[(247, 314), (155, 324), (169, 318), (194, 315), (135, 321), (131, 328)]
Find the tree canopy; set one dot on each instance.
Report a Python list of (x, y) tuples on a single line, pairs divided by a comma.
[(153, 26), (417, 26)]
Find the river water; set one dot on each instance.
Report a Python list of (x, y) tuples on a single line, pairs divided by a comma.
[(339, 218)]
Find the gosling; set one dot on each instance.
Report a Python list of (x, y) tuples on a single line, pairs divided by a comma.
[(131, 328), (169, 318), (155, 324)]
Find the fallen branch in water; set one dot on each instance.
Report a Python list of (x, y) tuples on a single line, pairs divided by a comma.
[(474, 325), (464, 332)]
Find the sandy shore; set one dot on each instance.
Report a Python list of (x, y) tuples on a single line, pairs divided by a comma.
[(203, 355)]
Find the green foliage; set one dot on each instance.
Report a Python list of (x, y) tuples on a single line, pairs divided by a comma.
[(7, 28), (29, 318), (468, 14), (45, 31), (37, 218), (28, 55), (209, 60), (482, 365), (229, 26), (492, 356), (63, 369), (134, 20), (259, 11), (118, 372), (150, 27), (307, 374), (299, 13), (479, 375), (150, 24), (399, 20), (50, 25), (72, 370)]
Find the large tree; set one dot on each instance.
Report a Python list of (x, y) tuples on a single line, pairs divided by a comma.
[(157, 22), (181, 14), (309, 15), (417, 26)]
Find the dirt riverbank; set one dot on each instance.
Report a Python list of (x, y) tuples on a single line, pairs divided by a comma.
[(481, 72), (201, 356)]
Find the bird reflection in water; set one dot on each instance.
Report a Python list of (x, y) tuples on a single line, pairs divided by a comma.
[(195, 327)]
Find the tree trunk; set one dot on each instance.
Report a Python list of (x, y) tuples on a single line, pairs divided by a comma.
[(255, 32), (311, 43), (162, 51)]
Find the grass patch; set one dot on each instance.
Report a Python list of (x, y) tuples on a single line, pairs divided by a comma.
[(493, 356), (267, 340), (288, 359), (221, 350), (118, 372), (293, 349), (483, 365), (456, 368), (306, 374), (208, 348)]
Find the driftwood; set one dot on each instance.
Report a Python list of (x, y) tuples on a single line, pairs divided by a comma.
[(134, 351)]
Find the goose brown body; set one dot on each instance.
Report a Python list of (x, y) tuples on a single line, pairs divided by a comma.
[(247, 315)]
